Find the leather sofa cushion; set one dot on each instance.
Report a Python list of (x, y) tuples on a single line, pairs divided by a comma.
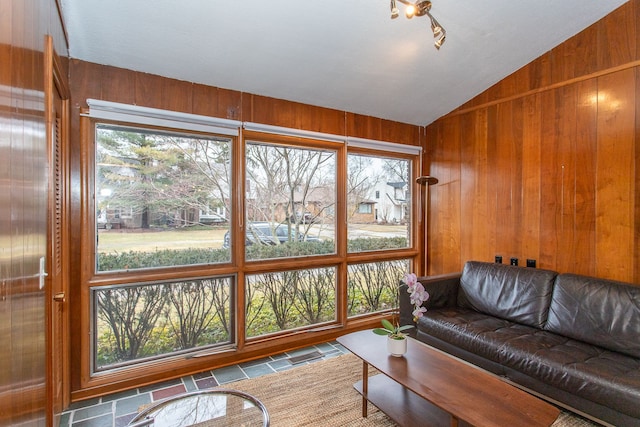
[(513, 293), (597, 311), (591, 372), (578, 368), (479, 333)]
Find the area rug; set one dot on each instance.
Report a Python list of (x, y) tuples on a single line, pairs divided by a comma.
[(322, 394)]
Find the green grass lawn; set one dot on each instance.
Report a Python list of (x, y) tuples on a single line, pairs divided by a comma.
[(110, 241)]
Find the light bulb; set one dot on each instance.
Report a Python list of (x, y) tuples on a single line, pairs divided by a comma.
[(410, 11)]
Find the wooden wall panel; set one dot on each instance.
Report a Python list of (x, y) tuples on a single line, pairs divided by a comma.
[(116, 84), (446, 149), (585, 150), (550, 166), (401, 133), (566, 166), (129, 87), (363, 126), (205, 101), (550, 172), (148, 92), (177, 95), (88, 78), (23, 206), (615, 170), (531, 176), (278, 112), (468, 178), (435, 247), (617, 37)]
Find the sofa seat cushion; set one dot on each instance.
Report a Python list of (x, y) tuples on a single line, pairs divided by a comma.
[(518, 294), (475, 332), (593, 373), (578, 368)]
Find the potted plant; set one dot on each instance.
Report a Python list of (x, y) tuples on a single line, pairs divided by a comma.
[(396, 339)]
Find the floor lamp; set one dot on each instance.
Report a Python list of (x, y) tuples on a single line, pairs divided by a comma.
[(426, 180)]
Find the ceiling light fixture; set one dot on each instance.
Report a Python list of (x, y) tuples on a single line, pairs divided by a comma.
[(421, 8), (394, 10)]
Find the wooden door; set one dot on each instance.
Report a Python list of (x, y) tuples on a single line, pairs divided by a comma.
[(57, 306)]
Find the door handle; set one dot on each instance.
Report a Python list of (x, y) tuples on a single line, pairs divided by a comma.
[(59, 297)]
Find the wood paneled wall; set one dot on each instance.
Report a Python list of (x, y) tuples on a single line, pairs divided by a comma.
[(545, 165), (23, 205), (95, 81)]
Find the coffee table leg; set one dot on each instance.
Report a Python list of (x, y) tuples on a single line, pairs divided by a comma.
[(454, 421), (365, 387)]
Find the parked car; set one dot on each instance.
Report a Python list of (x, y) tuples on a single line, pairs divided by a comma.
[(263, 233), (306, 218), (212, 219)]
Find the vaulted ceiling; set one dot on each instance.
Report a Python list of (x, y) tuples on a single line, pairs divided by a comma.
[(348, 54)]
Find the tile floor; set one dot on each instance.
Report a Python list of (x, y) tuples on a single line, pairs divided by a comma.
[(118, 409)]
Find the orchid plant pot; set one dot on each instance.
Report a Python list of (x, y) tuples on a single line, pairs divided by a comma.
[(396, 339), (397, 346)]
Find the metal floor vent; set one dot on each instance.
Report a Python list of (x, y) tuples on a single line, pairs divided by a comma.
[(305, 357)]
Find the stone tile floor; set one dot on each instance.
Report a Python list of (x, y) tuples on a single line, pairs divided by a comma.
[(117, 410)]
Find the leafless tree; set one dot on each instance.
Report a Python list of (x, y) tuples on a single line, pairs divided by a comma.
[(194, 307), (283, 177), (279, 291), (377, 283), (132, 313), (316, 294)]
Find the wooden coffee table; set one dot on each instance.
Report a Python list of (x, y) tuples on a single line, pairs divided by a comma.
[(429, 387)]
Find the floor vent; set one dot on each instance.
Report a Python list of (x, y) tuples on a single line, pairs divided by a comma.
[(294, 360)]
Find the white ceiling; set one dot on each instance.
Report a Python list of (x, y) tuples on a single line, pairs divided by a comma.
[(342, 54)]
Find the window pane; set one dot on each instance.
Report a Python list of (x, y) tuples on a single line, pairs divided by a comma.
[(378, 203), (373, 287), (290, 201), (143, 321), (162, 199), (290, 299)]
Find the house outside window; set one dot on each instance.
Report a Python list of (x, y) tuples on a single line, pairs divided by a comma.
[(365, 208)]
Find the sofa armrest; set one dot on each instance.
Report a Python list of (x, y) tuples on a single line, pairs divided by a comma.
[(442, 289)]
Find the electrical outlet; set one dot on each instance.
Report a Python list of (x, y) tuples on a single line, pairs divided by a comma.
[(514, 261), (531, 263), (498, 259)]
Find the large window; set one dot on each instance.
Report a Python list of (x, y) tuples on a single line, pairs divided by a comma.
[(202, 241), (379, 212), (162, 198), (143, 321), (290, 201), (290, 299), (378, 202)]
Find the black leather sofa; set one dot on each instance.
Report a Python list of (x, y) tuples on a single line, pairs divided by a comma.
[(574, 340)]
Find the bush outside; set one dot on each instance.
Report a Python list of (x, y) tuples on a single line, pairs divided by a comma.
[(142, 321)]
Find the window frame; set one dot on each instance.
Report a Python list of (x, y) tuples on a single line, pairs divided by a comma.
[(238, 267)]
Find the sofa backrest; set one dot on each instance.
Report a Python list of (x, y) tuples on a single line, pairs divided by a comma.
[(602, 312), (518, 294)]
